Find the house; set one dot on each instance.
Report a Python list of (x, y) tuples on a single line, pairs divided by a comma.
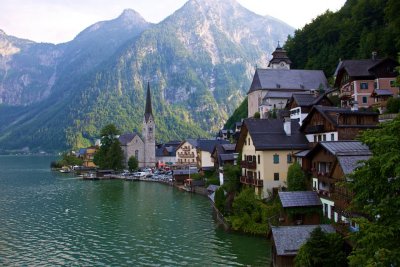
[(87, 154), (225, 134), (204, 149), (166, 154), (181, 175), (331, 163), (267, 147), (325, 123), (287, 240), (301, 104), (300, 207), (271, 88), (366, 82), (186, 154), (223, 154), (142, 148)]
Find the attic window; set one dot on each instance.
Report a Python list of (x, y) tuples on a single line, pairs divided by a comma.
[(278, 85)]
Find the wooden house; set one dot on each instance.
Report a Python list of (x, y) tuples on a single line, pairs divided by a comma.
[(332, 162), (332, 123), (287, 240), (300, 207)]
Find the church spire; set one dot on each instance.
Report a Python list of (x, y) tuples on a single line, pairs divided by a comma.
[(148, 110)]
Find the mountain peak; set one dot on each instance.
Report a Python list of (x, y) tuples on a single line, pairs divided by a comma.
[(129, 13)]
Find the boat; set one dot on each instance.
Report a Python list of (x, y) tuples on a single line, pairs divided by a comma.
[(65, 170)]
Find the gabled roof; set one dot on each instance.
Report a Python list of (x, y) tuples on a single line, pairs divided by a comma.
[(209, 145), (308, 100), (299, 199), (228, 147), (288, 239), (268, 134), (330, 114), (288, 79), (348, 153), (125, 139)]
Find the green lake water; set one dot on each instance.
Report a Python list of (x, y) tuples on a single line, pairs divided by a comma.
[(49, 219)]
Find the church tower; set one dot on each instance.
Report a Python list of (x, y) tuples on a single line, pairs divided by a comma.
[(279, 60), (148, 133)]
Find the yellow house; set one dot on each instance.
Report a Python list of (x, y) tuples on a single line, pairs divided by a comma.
[(267, 146), (89, 156)]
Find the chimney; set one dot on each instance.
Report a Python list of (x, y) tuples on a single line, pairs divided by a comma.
[(354, 107), (287, 126), (374, 55)]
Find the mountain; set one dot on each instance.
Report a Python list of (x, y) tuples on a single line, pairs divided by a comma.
[(29, 71), (198, 61)]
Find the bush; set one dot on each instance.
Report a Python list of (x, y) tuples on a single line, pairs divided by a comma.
[(219, 199), (296, 179), (393, 105)]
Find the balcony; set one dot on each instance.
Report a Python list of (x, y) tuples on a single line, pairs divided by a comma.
[(345, 95), (251, 181), (248, 165), (314, 129), (186, 155), (324, 194)]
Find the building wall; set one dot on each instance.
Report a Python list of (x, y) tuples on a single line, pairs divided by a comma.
[(254, 101), (266, 168), (186, 155), (130, 150), (206, 160)]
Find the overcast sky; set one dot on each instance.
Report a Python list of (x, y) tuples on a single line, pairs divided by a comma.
[(59, 21)]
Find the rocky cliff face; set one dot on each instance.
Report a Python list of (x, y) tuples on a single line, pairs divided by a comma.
[(198, 61)]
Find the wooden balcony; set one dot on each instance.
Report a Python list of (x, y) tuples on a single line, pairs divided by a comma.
[(345, 95), (251, 181), (248, 165)]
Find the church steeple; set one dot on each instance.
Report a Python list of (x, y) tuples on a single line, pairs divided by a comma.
[(279, 60), (148, 110)]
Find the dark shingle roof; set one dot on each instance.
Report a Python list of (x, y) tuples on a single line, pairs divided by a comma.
[(357, 68), (185, 172), (299, 199), (269, 134), (346, 148), (209, 145), (288, 239), (382, 92), (350, 163), (288, 79), (124, 139)]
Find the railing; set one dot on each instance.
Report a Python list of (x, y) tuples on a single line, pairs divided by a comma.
[(248, 164), (345, 94), (184, 155), (251, 181)]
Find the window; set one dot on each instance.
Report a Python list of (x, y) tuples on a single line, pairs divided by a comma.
[(289, 158), (276, 159), (150, 129), (332, 137), (259, 176), (319, 138), (324, 137), (364, 85), (137, 154), (365, 99), (375, 85), (276, 176), (249, 141), (259, 159), (315, 138)]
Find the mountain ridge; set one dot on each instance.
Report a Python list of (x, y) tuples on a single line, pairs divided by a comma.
[(198, 69)]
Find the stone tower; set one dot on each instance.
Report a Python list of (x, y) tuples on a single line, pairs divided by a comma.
[(279, 60), (148, 133)]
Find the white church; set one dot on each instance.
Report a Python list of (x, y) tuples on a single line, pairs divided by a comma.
[(144, 147)]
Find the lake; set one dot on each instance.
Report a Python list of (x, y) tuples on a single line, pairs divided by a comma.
[(48, 218)]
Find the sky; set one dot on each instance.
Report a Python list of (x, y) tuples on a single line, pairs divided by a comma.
[(58, 21)]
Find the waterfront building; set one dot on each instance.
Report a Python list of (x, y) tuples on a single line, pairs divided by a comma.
[(204, 149), (224, 154), (142, 148), (287, 240), (186, 154), (267, 147)]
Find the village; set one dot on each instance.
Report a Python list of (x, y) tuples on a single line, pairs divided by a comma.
[(295, 118)]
